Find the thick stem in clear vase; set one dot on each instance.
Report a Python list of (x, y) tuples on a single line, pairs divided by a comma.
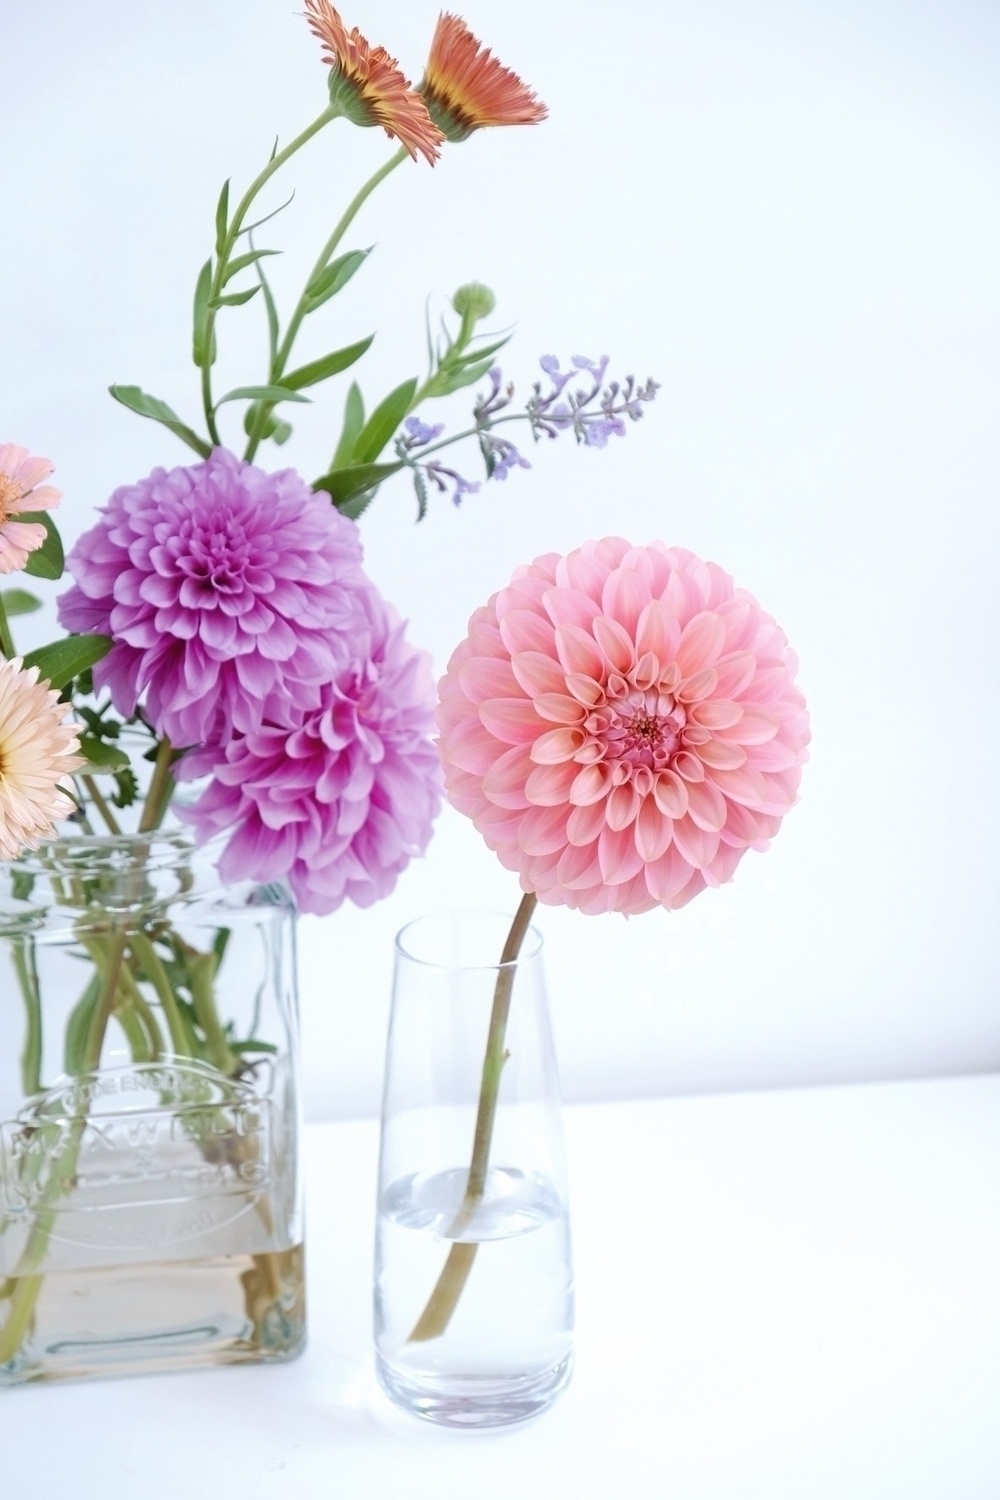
[(473, 1289)]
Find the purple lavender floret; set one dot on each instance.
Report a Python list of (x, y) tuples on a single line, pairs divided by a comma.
[(591, 425), (420, 434), (440, 477), (501, 456)]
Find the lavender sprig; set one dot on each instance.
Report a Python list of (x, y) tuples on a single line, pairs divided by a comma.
[(593, 412)]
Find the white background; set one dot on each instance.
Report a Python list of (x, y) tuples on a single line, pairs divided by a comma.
[(785, 212)]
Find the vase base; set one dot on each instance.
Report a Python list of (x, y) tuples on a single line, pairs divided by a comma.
[(154, 1318), (474, 1401)]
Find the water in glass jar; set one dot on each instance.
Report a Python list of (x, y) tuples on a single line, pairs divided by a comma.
[(506, 1351)]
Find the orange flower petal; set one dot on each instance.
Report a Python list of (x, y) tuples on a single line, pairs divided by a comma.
[(466, 87), (371, 87)]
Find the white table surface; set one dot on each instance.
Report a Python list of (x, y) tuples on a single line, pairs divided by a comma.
[(788, 1294)]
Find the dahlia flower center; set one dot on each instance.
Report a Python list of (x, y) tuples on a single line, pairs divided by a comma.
[(10, 493), (644, 729)]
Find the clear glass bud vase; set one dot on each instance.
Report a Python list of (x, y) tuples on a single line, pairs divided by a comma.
[(473, 1272), (150, 1208)]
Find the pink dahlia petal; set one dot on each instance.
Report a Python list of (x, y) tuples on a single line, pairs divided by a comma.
[(655, 735)]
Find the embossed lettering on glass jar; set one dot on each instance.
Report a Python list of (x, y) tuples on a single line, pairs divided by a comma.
[(150, 1203)]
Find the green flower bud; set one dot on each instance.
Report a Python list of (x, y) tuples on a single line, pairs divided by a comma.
[(473, 301)]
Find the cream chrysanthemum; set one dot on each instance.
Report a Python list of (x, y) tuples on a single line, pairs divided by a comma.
[(37, 754)]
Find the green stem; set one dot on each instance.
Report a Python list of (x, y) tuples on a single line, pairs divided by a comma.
[(6, 639), (160, 788), (201, 968), (97, 797), (25, 1285), (181, 1039), (448, 1289), (302, 306), (27, 978), (232, 234)]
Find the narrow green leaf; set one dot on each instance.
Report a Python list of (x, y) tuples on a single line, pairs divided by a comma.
[(200, 352), (472, 355), (273, 325), (330, 364), (222, 218), (48, 561), (101, 756), (249, 228), (19, 602), (150, 406), (447, 383), (354, 420), (60, 662), (420, 487), (234, 299), (346, 486), (242, 261), (262, 393), (383, 422), (334, 277)]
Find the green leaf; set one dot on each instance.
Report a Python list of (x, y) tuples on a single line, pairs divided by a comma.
[(262, 393), (126, 788), (330, 364), (273, 325), (150, 406), (354, 420), (200, 352), (383, 422), (48, 561), (447, 383), (334, 277), (60, 662), (358, 483), (19, 602), (242, 261), (234, 299), (472, 355), (222, 218), (420, 486), (101, 756), (268, 426)]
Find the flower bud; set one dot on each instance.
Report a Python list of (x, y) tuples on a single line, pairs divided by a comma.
[(473, 301)]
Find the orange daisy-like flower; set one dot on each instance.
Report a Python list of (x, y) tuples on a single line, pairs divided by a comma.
[(465, 87), (367, 85)]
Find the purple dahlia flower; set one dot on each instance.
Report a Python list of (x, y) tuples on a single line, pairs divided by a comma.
[(229, 593), (340, 801)]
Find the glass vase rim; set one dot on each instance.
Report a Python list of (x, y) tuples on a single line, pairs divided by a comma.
[(160, 848), (532, 934)]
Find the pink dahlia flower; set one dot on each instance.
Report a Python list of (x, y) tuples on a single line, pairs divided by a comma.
[(621, 725), (341, 801), (229, 594), (22, 491)]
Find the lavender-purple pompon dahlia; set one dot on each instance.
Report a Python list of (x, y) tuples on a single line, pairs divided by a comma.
[(228, 591), (340, 802)]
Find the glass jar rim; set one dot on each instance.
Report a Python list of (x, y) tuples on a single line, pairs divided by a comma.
[(530, 947)]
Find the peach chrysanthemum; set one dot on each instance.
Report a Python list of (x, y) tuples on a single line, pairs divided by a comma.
[(621, 725), (37, 746), (369, 86), (22, 491), (465, 87)]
